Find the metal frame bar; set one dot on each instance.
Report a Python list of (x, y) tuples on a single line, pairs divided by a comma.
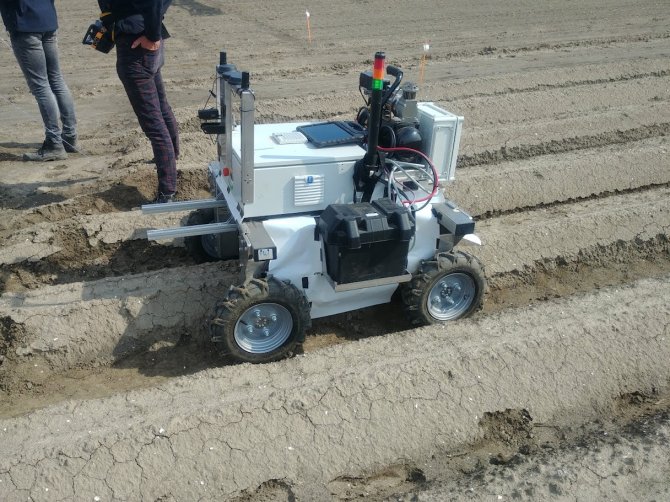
[(185, 205), (247, 107), (190, 231), (247, 99), (382, 281)]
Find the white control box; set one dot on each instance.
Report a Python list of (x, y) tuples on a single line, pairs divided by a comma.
[(440, 137), (294, 178)]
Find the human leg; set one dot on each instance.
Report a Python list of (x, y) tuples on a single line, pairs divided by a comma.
[(136, 69), (166, 109), (60, 91), (58, 85), (29, 53), (168, 115)]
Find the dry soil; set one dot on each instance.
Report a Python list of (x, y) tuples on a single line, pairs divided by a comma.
[(557, 389)]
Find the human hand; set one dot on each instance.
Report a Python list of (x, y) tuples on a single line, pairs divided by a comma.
[(147, 44)]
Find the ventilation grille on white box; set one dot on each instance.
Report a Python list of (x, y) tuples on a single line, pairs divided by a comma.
[(308, 190)]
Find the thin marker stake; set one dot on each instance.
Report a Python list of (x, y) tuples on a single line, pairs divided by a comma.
[(309, 29), (422, 62)]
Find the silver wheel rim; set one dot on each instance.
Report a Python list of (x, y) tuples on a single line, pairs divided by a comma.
[(263, 328), (451, 296)]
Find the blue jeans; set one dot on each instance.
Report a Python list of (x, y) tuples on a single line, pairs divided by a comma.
[(37, 54)]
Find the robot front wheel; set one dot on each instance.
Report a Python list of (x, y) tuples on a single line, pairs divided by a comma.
[(261, 321), (449, 287)]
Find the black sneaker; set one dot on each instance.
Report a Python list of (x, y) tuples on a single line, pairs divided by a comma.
[(48, 151), (162, 198), (70, 144)]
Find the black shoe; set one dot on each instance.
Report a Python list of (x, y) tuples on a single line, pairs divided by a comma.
[(70, 144), (162, 198), (48, 151)]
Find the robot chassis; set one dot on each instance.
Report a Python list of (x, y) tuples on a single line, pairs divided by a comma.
[(334, 218)]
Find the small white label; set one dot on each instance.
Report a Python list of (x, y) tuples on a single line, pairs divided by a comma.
[(265, 254)]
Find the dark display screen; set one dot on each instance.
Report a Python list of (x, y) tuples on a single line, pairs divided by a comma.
[(332, 133)]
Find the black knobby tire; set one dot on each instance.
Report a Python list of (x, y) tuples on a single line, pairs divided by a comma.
[(203, 247), (264, 320), (449, 287)]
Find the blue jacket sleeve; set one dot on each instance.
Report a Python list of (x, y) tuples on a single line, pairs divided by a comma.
[(150, 10)]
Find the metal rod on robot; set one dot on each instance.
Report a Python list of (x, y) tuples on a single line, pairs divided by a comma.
[(375, 111), (365, 168)]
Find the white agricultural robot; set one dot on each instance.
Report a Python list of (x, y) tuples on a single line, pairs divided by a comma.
[(329, 217)]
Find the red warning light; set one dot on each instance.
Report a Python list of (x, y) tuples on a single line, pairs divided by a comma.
[(225, 171), (378, 72), (378, 69)]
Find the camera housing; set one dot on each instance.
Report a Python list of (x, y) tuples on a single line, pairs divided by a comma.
[(99, 37)]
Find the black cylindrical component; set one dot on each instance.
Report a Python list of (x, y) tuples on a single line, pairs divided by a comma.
[(222, 69), (374, 123), (394, 71), (223, 59), (245, 80), (409, 90)]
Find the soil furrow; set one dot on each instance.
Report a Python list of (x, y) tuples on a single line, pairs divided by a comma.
[(111, 390), (554, 146), (59, 323), (550, 357), (89, 247), (566, 85), (534, 182)]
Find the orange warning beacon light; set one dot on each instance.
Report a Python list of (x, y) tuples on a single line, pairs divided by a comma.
[(378, 72)]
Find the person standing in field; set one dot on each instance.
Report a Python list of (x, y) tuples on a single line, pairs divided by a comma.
[(32, 27), (139, 33)]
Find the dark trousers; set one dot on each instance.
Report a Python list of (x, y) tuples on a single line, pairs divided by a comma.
[(140, 72)]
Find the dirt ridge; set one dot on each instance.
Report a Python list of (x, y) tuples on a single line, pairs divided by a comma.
[(109, 389), (565, 145), (336, 415)]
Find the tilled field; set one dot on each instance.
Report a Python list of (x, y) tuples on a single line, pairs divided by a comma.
[(108, 388)]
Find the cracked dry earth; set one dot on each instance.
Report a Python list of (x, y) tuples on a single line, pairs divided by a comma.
[(556, 390)]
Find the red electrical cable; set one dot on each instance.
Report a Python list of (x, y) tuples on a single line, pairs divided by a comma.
[(436, 183)]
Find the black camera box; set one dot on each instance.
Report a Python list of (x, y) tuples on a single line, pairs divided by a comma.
[(366, 241)]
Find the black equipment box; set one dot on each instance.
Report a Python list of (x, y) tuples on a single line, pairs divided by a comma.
[(452, 219), (366, 241)]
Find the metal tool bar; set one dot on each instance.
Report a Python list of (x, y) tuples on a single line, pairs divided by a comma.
[(382, 281), (190, 231), (230, 125), (247, 144), (186, 205)]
